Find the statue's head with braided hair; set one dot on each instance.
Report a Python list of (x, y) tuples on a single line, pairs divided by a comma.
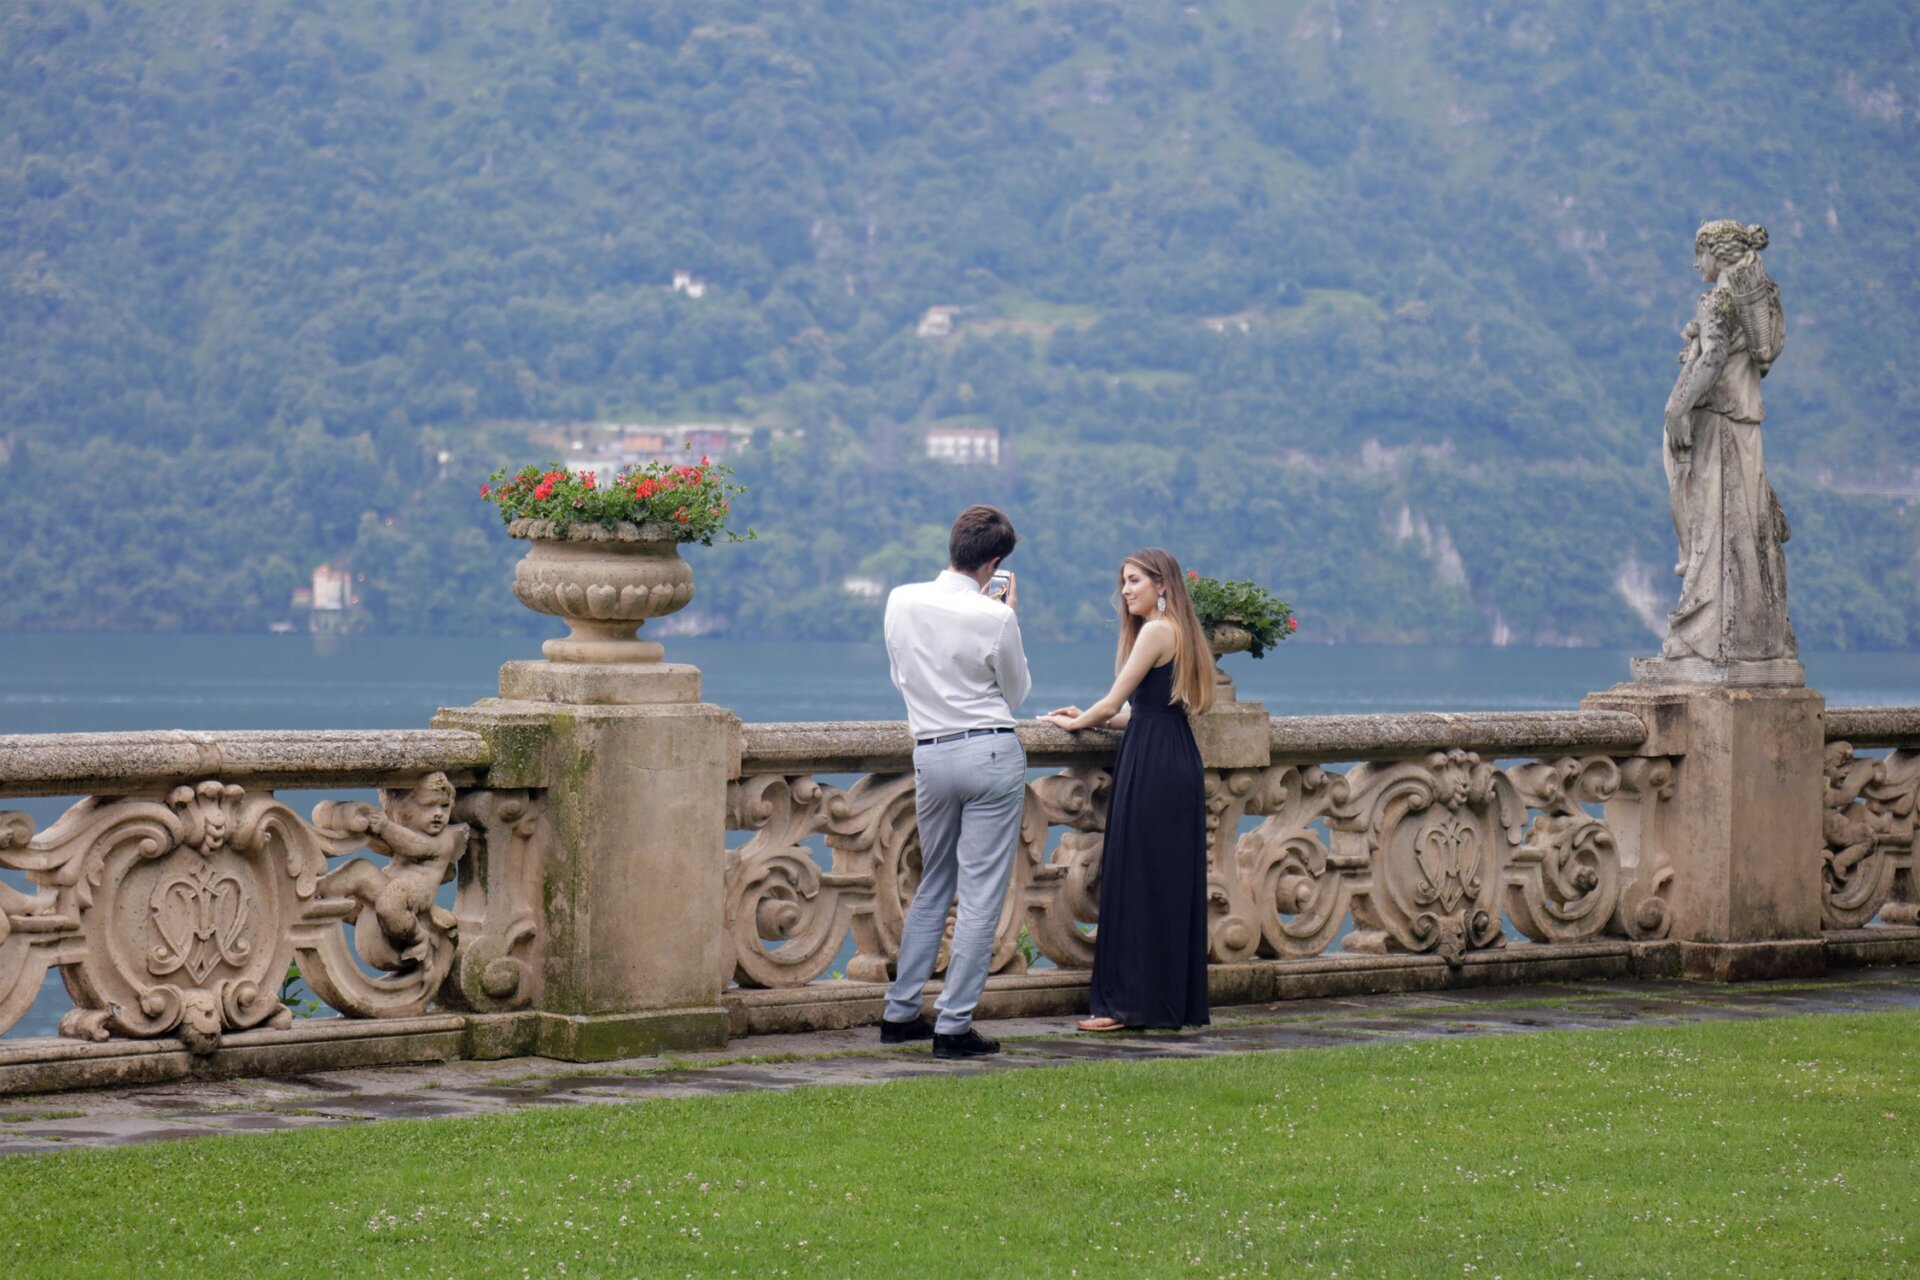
[(1729, 241)]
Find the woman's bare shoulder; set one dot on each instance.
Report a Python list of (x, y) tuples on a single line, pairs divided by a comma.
[(1159, 634)]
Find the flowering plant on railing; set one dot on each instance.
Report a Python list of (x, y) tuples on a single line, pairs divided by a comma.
[(1244, 605), (693, 500)]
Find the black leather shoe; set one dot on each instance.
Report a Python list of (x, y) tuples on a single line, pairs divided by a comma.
[(968, 1044), (902, 1032)]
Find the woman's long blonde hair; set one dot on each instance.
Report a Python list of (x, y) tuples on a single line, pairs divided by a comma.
[(1192, 655)]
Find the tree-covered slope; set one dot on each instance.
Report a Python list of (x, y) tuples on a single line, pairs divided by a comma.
[(264, 263)]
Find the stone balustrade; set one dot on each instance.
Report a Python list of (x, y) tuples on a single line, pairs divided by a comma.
[(1422, 836), (635, 875), (176, 897)]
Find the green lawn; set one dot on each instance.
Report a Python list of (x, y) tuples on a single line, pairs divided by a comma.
[(1768, 1148)]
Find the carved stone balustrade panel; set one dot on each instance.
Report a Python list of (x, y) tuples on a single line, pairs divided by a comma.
[(1563, 880), (1868, 825), (1453, 839), (786, 916), (1426, 855), (1063, 894), (178, 912), (496, 902), (1288, 881), (1637, 815), (1435, 833)]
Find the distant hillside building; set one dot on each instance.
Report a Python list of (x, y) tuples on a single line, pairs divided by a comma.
[(332, 603), (333, 589), (688, 283), (965, 446), (937, 322)]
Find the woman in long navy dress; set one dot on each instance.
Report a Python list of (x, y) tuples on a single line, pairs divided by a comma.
[(1150, 953)]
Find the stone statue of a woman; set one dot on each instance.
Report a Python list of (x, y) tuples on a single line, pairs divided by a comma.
[(1733, 593)]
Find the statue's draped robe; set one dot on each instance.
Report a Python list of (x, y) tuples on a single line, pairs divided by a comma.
[(1733, 593)]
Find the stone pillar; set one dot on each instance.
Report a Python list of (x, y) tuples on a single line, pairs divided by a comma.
[(634, 768), (1743, 824), (1232, 734)]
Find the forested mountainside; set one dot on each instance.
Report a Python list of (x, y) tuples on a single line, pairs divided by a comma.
[(1371, 300)]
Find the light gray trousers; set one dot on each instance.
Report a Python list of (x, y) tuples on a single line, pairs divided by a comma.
[(967, 795)]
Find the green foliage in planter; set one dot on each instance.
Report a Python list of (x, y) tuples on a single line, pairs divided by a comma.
[(1243, 604), (694, 500)]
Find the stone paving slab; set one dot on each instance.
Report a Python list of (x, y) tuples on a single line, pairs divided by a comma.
[(189, 1109)]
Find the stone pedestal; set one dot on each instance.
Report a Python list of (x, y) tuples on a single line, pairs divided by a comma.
[(1743, 826), (1234, 735), (635, 773), (1772, 672)]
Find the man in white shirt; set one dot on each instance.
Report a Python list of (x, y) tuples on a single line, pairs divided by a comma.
[(955, 655)]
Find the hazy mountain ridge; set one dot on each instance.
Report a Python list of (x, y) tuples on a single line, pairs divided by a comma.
[(296, 250)]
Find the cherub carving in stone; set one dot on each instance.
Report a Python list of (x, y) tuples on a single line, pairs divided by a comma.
[(422, 845), (1850, 827), (1733, 594)]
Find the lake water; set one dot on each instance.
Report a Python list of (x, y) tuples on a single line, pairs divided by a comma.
[(88, 683), (102, 683)]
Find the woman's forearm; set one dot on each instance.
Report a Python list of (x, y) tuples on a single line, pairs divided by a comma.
[(1098, 714)]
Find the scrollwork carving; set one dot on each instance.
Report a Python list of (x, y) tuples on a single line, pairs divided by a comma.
[(787, 917), (33, 930), (1063, 893), (1232, 931), (1868, 829), (1563, 880), (1297, 888), (496, 965)]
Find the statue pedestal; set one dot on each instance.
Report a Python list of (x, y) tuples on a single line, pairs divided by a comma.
[(1743, 829), (1698, 671)]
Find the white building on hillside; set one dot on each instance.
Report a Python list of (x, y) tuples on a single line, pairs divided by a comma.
[(937, 322), (965, 446)]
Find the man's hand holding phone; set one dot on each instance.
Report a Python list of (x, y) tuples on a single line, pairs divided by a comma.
[(1004, 587)]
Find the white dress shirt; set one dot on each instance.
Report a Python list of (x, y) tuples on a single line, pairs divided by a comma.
[(955, 656)]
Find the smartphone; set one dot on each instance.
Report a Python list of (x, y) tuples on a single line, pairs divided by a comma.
[(999, 584)]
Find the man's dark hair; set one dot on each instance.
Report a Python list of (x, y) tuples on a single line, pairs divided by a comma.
[(982, 533)]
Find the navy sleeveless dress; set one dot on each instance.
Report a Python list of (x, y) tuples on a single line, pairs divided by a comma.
[(1150, 952)]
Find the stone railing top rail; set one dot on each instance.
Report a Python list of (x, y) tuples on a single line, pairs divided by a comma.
[(77, 763), (1490, 733), (885, 746), (1874, 726), (58, 764), (880, 746)]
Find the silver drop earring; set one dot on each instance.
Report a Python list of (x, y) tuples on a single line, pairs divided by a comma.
[(1162, 606)]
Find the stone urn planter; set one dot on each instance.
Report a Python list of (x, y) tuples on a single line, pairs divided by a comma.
[(605, 581), (1225, 638)]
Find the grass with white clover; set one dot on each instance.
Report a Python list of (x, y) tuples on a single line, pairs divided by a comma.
[(1765, 1148)]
